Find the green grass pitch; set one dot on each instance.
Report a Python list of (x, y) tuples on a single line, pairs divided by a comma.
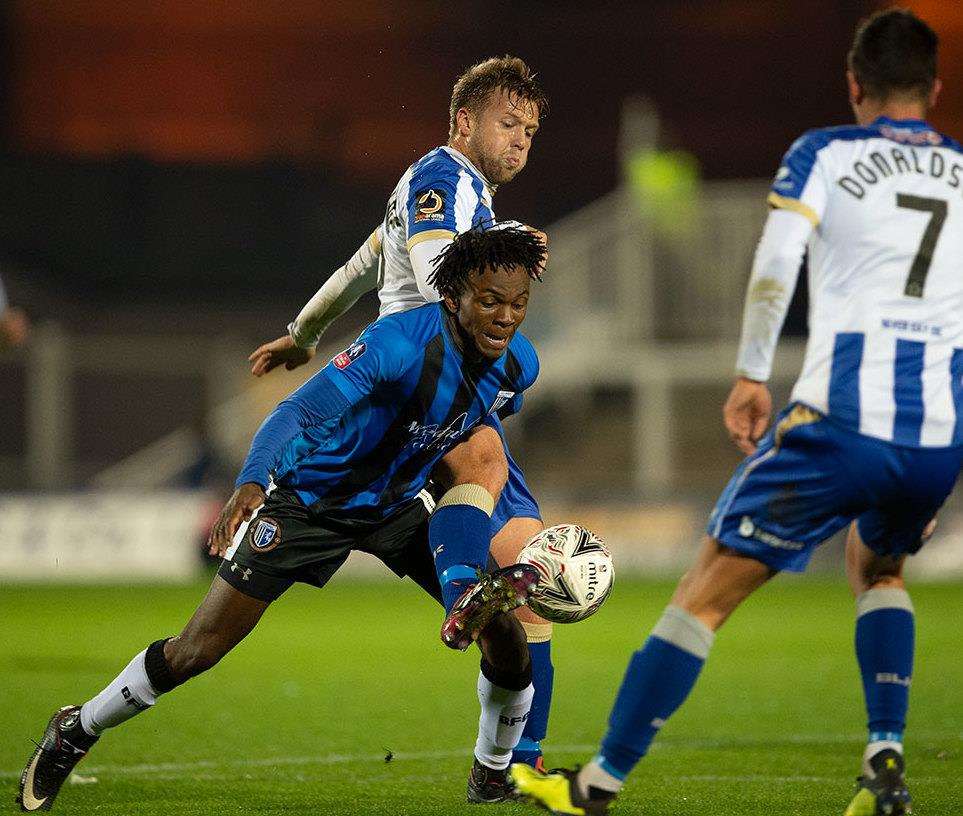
[(299, 718)]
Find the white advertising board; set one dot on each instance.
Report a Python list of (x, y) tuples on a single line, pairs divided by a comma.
[(106, 536)]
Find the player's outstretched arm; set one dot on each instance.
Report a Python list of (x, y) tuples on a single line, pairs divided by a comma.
[(283, 351), (775, 271), (338, 294), (240, 507), (314, 403)]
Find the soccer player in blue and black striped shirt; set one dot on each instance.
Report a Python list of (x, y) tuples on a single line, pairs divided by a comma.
[(343, 464)]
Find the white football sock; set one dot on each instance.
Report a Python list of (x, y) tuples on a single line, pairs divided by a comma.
[(503, 716), (128, 694), (596, 776), (874, 748)]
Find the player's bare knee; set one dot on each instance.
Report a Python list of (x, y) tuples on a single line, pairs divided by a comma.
[(511, 540), (868, 570), (718, 582), (480, 459), (882, 572), (525, 616)]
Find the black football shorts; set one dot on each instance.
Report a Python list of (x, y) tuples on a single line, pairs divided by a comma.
[(285, 542)]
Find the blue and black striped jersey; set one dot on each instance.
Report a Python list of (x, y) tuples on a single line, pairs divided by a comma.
[(412, 398)]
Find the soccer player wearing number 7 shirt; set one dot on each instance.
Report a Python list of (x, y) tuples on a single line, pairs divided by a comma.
[(872, 435)]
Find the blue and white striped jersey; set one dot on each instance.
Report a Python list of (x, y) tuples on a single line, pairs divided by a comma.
[(439, 196), (885, 351)]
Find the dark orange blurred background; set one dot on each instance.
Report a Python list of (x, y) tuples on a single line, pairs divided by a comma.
[(280, 127)]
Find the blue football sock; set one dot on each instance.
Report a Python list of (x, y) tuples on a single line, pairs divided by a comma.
[(884, 649), (529, 749), (659, 678), (459, 534)]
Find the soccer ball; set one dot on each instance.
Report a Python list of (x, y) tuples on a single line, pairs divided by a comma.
[(575, 573)]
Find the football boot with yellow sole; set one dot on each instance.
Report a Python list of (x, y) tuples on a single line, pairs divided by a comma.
[(884, 794), (557, 792)]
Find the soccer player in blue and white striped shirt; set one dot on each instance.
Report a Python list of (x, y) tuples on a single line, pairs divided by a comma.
[(493, 116), (872, 435)]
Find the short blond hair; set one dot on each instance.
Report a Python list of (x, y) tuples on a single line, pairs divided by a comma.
[(475, 87)]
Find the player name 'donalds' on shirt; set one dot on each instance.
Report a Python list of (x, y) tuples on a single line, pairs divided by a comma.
[(880, 164), (885, 351)]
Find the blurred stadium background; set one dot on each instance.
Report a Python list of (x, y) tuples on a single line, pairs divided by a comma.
[(178, 178)]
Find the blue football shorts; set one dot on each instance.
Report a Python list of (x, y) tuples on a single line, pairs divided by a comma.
[(516, 500), (810, 477)]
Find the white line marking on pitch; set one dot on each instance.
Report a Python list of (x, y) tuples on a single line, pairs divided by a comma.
[(154, 769), (268, 762)]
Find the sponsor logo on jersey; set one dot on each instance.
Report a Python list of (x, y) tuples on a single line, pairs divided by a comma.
[(265, 534), (430, 206), (434, 436), (748, 529), (499, 403), (915, 326), (348, 356)]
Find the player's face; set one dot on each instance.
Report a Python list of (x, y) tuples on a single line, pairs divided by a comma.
[(491, 309), (501, 135)]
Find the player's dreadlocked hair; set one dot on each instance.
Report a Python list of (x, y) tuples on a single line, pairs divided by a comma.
[(894, 52), (479, 249), (474, 87)]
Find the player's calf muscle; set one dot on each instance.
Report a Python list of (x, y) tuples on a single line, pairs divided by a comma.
[(866, 570), (504, 644), (223, 619), (718, 582), (506, 545), (189, 656)]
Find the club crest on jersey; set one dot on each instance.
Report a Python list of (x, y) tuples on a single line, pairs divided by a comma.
[(348, 356), (265, 534), (499, 403), (430, 205)]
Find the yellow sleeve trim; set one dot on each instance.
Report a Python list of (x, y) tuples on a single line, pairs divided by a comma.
[(428, 235), (794, 204), (374, 241)]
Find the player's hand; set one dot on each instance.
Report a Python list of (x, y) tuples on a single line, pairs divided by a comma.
[(14, 327), (279, 351), (746, 413), (246, 499)]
